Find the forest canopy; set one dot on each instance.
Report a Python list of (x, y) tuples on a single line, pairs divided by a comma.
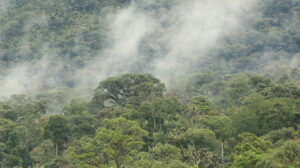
[(149, 84), (139, 125)]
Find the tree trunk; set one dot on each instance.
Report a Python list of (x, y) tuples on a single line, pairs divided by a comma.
[(222, 151), (56, 149), (160, 124), (154, 123), (182, 152), (118, 164)]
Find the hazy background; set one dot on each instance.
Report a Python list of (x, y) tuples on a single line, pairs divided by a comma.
[(169, 39)]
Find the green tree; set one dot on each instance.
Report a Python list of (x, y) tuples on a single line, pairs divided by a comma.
[(221, 125), (197, 146), (281, 135), (58, 130), (128, 88), (165, 152), (75, 107), (288, 155), (44, 152), (155, 115), (238, 88), (114, 144), (200, 106), (249, 151), (83, 124)]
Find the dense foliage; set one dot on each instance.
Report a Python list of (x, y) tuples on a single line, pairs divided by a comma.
[(243, 113), (137, 125)]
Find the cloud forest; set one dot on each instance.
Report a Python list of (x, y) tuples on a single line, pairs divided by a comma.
[(150, 84)]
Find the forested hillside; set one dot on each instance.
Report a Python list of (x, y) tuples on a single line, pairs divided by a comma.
[(150, 84)]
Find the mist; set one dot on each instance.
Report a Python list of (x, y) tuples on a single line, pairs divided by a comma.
[(4, 6), (169, 42)]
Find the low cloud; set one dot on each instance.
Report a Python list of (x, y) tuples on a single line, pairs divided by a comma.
[(167, 41)]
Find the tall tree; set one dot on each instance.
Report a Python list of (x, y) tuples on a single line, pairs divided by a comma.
[(58, 130), (128, 88)]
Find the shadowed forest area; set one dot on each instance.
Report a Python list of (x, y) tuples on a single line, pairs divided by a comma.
[(149, 84)]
